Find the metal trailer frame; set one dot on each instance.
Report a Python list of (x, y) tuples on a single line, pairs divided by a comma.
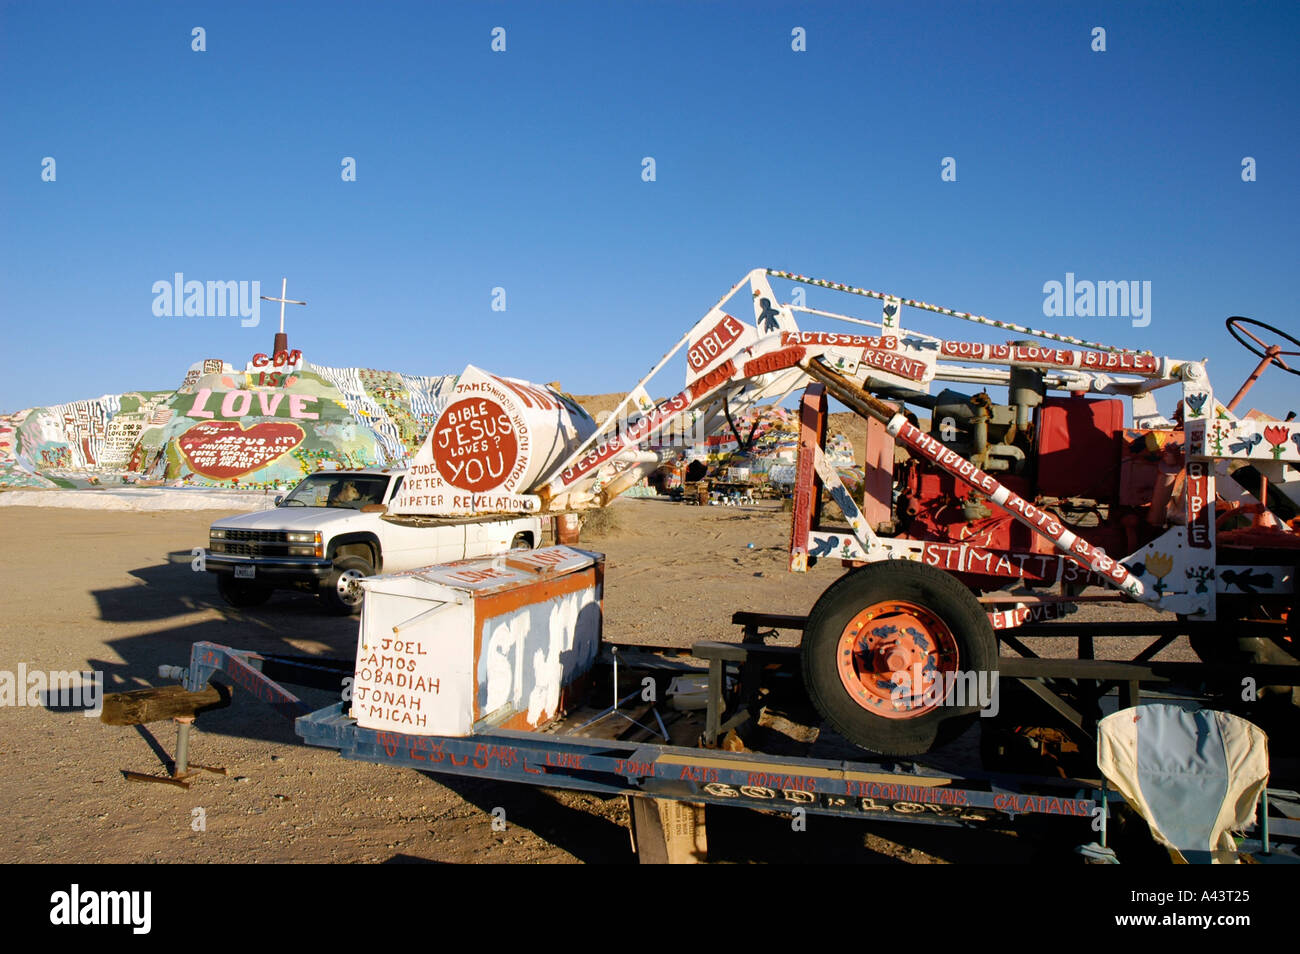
[(652, 773)]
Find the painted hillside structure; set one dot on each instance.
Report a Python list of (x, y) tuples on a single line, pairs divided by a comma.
[(260, 427)]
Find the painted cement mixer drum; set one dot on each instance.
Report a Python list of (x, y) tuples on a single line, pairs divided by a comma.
[(490, 446)]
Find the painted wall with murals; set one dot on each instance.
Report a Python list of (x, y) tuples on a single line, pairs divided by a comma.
[(262, 426)]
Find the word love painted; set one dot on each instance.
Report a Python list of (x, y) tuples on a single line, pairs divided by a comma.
[(232, 405)]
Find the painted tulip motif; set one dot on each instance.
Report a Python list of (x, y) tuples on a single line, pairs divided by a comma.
[(1159, 565), (1196, 403), (1277, 436)]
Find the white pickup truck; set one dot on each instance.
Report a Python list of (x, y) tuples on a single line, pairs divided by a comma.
[(329, 532)]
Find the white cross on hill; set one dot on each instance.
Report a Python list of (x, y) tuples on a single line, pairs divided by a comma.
[(284, 287)]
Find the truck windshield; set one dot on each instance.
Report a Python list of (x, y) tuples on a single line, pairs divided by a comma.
[(352, 491)]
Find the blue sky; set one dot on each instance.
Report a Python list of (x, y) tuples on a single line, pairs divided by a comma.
[(522, 170)]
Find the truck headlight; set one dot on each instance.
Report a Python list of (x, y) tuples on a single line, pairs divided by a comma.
[(305, 543), (216, 533)]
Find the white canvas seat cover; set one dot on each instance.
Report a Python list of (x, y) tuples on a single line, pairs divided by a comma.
[(1194, 776)]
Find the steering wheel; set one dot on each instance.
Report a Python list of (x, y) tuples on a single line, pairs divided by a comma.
[(1273, 352)]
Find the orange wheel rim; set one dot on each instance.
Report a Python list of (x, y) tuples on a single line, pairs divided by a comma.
[(895, 659)]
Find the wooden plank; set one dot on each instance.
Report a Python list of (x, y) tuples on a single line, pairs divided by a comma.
[(739, 652), (771, 620), (668, 832), (164, 702), (1010, 667)]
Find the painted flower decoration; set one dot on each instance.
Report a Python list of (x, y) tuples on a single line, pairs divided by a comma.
[(1277, 436), (1196, 402), (1159, 564)]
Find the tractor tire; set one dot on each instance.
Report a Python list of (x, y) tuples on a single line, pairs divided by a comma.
[(242, 593), (878, 628), (340, 592)]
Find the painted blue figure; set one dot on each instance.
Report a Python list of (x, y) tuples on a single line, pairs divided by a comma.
[(825, 547), (1245, 445)]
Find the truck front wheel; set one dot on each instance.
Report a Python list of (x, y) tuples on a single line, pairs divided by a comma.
[(342, 593)]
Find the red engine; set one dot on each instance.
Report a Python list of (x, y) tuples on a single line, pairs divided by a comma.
[(1071, 456)]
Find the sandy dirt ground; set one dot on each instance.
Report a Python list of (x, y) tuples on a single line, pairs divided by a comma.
[(115, 592)]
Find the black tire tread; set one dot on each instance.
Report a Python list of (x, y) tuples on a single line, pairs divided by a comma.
[(907, 580)]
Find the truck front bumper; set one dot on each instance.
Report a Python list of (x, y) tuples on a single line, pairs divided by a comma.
[(275, 570)]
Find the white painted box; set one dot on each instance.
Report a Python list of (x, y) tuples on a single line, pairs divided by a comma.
[(502, 642)]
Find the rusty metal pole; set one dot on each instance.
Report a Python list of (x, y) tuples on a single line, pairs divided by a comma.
[(1269, 354), (183, 726)]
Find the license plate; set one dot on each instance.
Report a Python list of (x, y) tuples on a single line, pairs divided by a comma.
[(245, 572)]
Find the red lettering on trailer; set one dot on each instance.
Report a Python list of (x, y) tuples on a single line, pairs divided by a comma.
[(478, 576), (963, 349), (701, 774), (570, 760), (542, 558), (894, 363), (631, 437), (634, 769), (1121, 361), (709, 381), (775, 361), (1198, 510), (783, 783), (714, 343), (1032, 354), (834, 340), (975, 350), (915, 794), (1080, 551), (1020, 804)]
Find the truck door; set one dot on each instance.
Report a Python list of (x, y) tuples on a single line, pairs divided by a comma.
[(407, 547), (492, 537)]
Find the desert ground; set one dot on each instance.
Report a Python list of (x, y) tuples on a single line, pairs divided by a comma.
[(115, 592)]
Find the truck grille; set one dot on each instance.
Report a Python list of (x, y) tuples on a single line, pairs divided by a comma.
[(253, 543)]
